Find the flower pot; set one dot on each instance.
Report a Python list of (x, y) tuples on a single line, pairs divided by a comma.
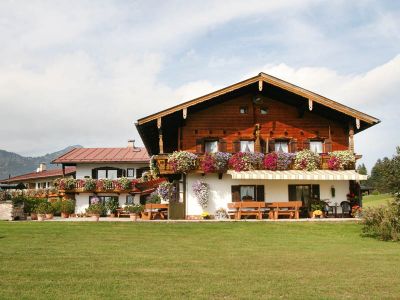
[(112, 215), (95, 217), (64, 215), (133, 217), (34, 216), (49, 216), (41, 217)]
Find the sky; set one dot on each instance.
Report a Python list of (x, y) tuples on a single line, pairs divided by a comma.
[(82, 72)]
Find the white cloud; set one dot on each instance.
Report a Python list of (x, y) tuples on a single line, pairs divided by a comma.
[(374, 92)]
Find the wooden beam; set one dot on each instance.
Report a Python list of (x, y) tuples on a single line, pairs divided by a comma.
[(260, 85), (184, 112), (351, 137), (310, 104)]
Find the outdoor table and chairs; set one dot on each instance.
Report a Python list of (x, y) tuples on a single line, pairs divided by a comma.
[(240, 209)]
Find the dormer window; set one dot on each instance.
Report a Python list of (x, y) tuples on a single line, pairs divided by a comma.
[(282, 146), (316, 146), (247, 146), (211, 146)]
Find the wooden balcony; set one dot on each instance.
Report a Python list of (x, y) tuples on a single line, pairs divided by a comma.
[(166, 169)]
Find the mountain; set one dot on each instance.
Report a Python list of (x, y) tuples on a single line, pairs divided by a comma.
[(14, 164)]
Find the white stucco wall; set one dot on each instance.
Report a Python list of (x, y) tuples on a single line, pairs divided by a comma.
[(82, 200), (275, 191), (83, 170)]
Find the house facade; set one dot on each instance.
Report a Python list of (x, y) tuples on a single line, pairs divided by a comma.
[(262, 114), (105, 166), (41, 179)]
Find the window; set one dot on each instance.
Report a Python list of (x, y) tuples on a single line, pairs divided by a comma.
[(243, 109), (316, 146), (247, 193), (129, 200), (107, 173), (211, 146), (304, 193), (130, 172), (282, 146), (102, 199), (247, 146), (264, 110)]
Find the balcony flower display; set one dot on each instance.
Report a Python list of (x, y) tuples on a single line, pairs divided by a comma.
[(124, 184), (201, 191), (89, 185), (167, 191), (340, 160), (271, 161), (66, 183), (307, 160), (183, 161), (246, 161), (104, 184), (215, 162)]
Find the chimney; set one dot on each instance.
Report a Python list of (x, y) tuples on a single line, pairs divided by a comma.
[(42, 167), (131, 144)]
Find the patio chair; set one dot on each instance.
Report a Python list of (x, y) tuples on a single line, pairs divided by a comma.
[(346, 209)]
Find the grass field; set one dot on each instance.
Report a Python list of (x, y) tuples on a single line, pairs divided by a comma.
[(376, 200), (195, 260)]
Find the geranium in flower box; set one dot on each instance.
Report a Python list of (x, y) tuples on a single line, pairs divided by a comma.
[(246, 161), (183, 161), (307, 160)]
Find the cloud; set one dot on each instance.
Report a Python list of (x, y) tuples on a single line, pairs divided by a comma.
[(374, 92)]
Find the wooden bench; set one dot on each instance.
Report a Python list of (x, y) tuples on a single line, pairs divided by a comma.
[(122, 212), (291, 209), (246, 208), (153, 210)]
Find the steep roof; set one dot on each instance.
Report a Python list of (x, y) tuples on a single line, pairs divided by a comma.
[(40, 175), (99, 155), (265, 78)]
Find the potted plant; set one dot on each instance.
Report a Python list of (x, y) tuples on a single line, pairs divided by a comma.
[(89, 185), (134, 211), (42, 209), (67, 207), (317, 210), (205, 215), (111, 206), (95, 209)]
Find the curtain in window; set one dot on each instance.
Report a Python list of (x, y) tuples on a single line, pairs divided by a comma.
[(211, 146), (247, 192), (316, 146), (282, 147), (247, 146)]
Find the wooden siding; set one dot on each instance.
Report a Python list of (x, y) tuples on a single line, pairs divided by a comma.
[(282, 121)]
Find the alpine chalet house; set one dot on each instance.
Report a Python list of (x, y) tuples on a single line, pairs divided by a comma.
[(262, 139), (99, 172)]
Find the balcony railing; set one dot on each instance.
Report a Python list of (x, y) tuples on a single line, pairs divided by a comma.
[(165, 168)]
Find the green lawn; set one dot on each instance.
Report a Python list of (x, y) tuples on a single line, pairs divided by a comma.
[(231, 260), (376, 200)]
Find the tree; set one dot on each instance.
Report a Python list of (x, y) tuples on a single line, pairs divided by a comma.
[(361, 169)]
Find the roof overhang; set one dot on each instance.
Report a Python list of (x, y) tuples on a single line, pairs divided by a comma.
[(298, 175)]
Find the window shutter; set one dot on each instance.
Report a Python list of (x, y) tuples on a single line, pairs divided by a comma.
[(235, 193), (260, 193), (94, 173), (199, 146), (328, 145), (236, 146), (139, 173), (292, 193), (119, 173), (306, 144), (271, 145), (293, 146), (222, 145)]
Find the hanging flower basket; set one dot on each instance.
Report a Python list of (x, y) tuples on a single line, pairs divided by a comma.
[(215, 162), (183, 161), (307, 160), (246, 161), (201, 191)]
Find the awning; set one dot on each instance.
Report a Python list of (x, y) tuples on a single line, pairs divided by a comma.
[(298, 175)]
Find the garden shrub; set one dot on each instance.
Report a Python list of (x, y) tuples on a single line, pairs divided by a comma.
[(383, 222)]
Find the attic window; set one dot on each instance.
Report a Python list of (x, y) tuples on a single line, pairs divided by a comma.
[(244, 110)]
